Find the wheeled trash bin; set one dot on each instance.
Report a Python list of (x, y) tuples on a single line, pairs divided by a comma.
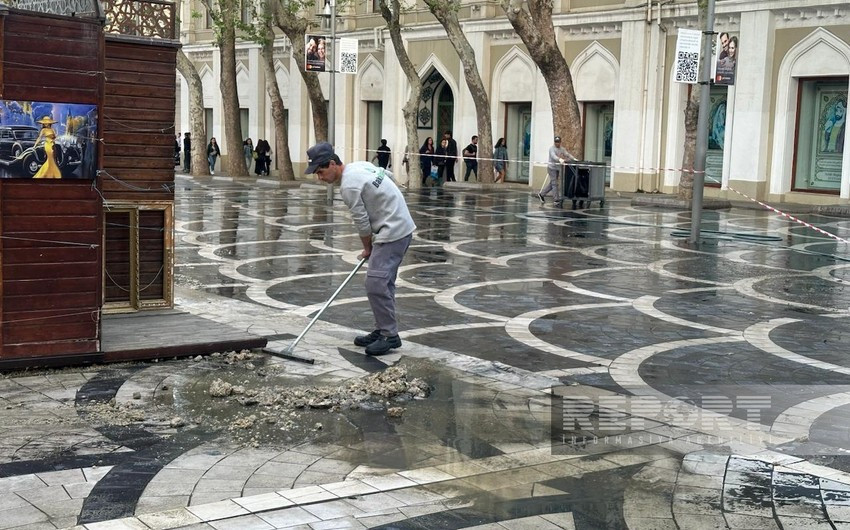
[(584, 181)]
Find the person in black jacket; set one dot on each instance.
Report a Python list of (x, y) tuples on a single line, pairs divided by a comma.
[(470, 157), (451, 156), (263, 150), (187, 153), (383, 155), (440, 158), (426, 158)]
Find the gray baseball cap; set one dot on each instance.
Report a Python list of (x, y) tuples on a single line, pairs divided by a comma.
[(318, 155)]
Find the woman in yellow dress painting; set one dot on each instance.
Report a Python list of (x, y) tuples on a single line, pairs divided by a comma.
[(50, 169)]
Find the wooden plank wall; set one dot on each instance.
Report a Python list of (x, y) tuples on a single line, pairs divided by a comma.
[(138, 162), (50, 252), (138, 119)]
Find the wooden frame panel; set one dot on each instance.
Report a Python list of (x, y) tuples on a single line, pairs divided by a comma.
[(149, 257)]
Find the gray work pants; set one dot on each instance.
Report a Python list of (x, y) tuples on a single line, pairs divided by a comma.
[(384, 262), (554, 185)]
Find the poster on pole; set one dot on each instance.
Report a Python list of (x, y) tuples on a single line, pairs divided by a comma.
[(347, 56), (727, 59), (315, 53), (687, 56)]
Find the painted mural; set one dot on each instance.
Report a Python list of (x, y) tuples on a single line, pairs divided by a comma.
[(47, 140)]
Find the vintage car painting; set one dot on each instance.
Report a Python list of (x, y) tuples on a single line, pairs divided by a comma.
[(47, 140)]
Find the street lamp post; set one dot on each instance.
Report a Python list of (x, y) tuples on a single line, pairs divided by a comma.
[(329, 15), (702, 126)]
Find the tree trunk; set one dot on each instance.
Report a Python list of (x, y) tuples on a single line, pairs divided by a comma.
[(446, 14), (685, 189), (537, 32), (281, 136), (295, 29), (234, 163), (196, 113), (411, 107)]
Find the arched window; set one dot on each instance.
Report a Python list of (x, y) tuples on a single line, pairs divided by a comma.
[(445, 109)]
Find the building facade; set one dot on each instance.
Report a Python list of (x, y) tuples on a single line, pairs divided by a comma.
[(776, 134)]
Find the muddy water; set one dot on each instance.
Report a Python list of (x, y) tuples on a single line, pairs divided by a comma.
[(453, 420)]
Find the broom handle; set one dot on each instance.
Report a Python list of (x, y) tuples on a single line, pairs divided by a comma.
[(328, 303)]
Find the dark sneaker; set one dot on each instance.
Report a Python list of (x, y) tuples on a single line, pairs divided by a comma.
[(383, 345), (559, 204), (542, 200), (365, 340)]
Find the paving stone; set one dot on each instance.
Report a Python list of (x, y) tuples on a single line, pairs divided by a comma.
[(651, 309), (750, 522), (127, 523), (166, 519), (151, 504), (217, 510), (308, 494), (803, 523), (288, 517), (20, 483), (334, 524), (263, 502), (245, 522), (701, 522)]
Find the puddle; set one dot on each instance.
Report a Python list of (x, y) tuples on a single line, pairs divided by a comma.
[(413, 414)]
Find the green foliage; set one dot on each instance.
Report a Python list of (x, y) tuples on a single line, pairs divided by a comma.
[(443, 7)]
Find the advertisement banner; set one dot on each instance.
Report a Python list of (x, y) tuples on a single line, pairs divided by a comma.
[(315, 53), (727, 59)]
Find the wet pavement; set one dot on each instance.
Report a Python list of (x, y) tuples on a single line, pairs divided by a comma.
[(586, 369)]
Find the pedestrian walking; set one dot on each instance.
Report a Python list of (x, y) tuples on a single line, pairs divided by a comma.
[(187, 153), (259, 159), (265, 150), (263, 158), (383, 155), (441, 159), (213, 152), (558, 156), (470, 158), (248, 152), (500, 160), (385, 227), (451, 156), (426, 158)]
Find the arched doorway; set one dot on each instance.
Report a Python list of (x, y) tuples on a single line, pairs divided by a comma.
[(436, 106)]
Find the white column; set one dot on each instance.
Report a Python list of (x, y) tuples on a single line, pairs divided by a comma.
[(752, 95), (468, 123), (656, 85), (542, 125), (300, 137), (632, 95), (257, 90), (216, 129), (392, 117)]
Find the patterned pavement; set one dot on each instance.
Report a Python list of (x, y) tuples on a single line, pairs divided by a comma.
[(590, 370)]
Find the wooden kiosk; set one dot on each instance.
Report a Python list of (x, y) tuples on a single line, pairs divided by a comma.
[(87, 99)]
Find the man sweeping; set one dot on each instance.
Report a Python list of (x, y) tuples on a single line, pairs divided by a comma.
[(385, 227)]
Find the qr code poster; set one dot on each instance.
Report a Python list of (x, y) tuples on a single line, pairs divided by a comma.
[(686, 68), (347, 56)]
